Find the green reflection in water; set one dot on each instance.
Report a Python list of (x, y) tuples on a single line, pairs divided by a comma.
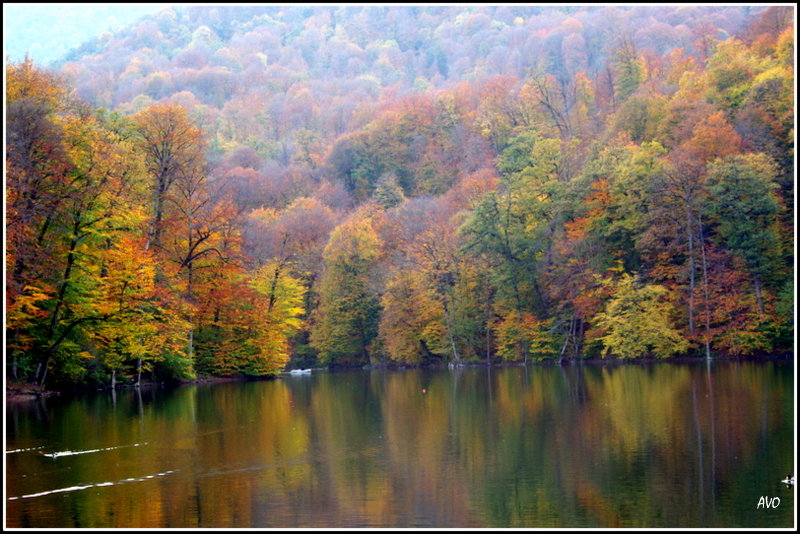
[(664, 445)]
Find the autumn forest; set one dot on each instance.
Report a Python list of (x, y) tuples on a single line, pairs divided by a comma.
[(220, 191)]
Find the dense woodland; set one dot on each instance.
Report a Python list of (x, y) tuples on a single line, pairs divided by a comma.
[(234, 190)]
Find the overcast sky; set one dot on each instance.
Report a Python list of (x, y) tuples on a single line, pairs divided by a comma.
[(48, 31)]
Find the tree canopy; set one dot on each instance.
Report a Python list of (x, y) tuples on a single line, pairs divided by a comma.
[(234, 190)]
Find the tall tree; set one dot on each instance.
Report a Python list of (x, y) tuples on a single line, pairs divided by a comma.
[(629, 69), (174, 147), (346, 321), (37, 183), (412, 326), (746, 210), (275, 317)]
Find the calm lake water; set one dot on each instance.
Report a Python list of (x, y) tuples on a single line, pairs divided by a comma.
[(664, 445)]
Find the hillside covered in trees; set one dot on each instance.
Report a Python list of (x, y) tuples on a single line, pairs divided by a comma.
[(231, 190)]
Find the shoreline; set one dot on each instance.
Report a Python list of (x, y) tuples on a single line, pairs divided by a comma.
[(573, 362), (22, 392), (18, 392)]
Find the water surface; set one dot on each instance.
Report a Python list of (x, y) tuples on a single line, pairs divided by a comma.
[(662, 445)]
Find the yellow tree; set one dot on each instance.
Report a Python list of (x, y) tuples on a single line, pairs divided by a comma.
[(139, 329), (522, 335), (275, 318), (435, 251), (412, 326), (636, 321)]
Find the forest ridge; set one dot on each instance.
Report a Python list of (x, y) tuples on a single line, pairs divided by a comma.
[(228, 190)]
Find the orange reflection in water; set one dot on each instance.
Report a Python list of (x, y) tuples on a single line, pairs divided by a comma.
[(665, 445)]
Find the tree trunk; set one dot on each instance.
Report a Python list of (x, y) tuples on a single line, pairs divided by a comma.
[(690, 234), (427, 354), (579, 340), (449, 325), (43, 365), (190, 299), (705, 289), (138, 372), (757, 283), (113, 379), (59, 303), (488, 342), (567, 338), (13, 357), (154, 235)]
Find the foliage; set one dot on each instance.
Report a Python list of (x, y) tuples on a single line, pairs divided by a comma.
[(273, 183), (346, 320), (745, 209), (636, 321), (277, 317), (523, 336), (412, 325)]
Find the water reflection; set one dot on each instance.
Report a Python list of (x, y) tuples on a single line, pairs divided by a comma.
[(664, 445)]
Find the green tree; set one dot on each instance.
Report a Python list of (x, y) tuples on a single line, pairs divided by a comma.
[(745, 209), (346, 320), (104, 186), (516, 225), (629, 68), (388, 192)]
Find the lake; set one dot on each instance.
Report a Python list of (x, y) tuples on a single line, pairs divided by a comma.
[(629, 445)]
